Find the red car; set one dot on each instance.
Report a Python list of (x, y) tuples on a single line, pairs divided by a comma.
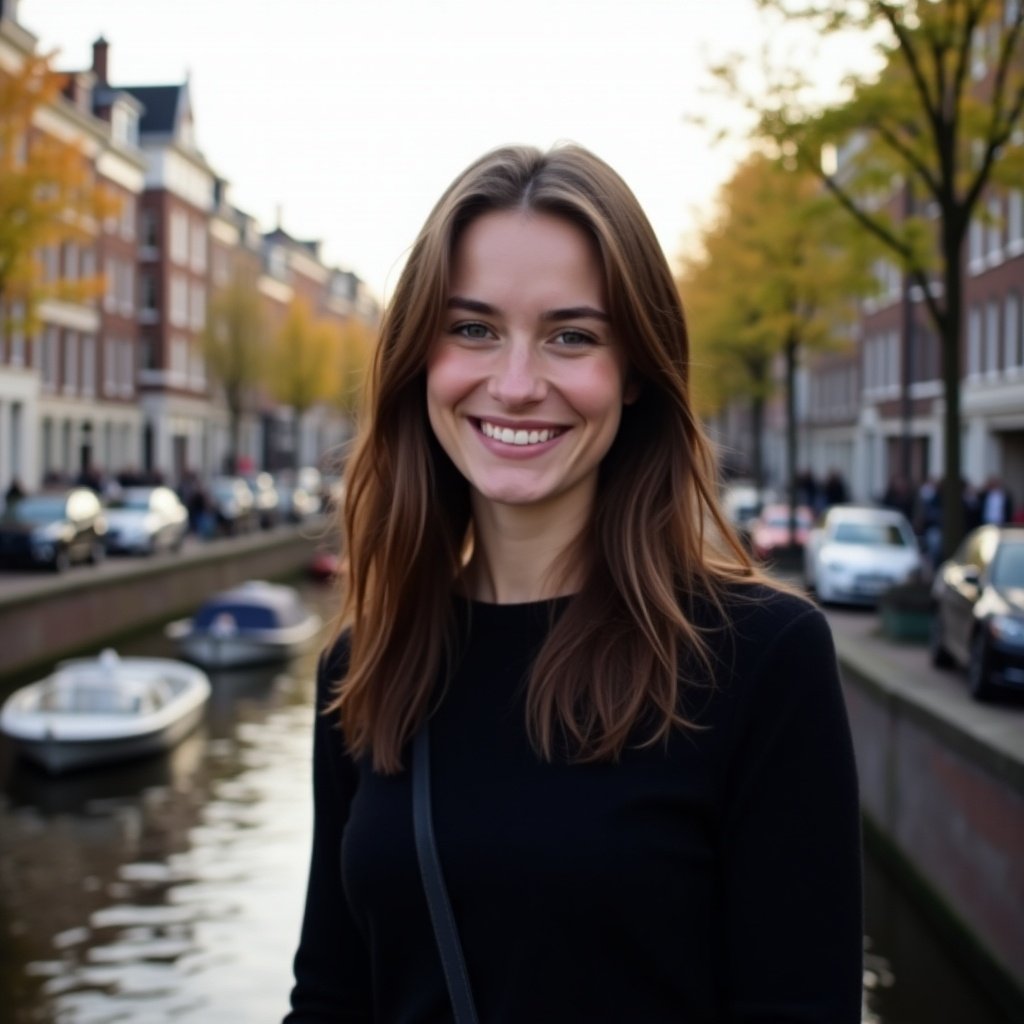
[(769, 532)]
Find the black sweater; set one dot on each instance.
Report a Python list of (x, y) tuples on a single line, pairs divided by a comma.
[(713, 880)]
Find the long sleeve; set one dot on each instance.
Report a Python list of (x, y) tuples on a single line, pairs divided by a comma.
[(332, 970), (791, 841)]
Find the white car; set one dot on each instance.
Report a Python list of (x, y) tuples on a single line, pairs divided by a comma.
[(858, 553), (144, 520)]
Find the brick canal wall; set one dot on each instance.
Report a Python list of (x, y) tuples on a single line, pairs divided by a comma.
[(53, 617), (942, 788)]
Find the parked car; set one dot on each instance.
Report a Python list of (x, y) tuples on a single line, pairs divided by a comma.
[(295, 503), (265, 499), (232, 504), (144, 520), (770, 533), (53, 530), (859, 552), (979, 610)]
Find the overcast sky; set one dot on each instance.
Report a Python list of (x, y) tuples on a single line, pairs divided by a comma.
[(351, 116)]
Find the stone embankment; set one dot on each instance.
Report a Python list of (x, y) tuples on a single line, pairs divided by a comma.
[(45, 617), (942, 789)]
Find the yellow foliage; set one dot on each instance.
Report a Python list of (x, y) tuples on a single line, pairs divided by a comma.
[(49, 195), (302, 359)]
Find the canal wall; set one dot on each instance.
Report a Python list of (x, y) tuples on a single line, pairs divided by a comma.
[(942, 792), (45, 618)]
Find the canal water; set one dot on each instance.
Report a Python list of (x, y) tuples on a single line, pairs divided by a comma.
[(171, 889)]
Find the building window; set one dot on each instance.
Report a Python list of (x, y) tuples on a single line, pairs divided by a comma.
[(70, 362), (16, 353), (179, 300), (110, 269), (109, 366), (1013, 351), (994, 231), (128, 217), (127, 368), (975, 247), (1015, 223), (147, 285), (179, 357), (70, 261), (198, 307), (88, 365), (125, 289), (974, 342), (992, 338), (179, 237), (148, 229), (199, 247)]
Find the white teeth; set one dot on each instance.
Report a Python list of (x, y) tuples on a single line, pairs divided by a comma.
[(517, 437)]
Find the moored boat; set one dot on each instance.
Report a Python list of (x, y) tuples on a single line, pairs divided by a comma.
[(250, 624), (97, 710)]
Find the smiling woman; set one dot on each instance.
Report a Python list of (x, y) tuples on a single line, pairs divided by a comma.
[(618, 730), (525, 382)]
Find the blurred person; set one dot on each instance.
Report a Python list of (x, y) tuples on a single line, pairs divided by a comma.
[(640, 768), (995, 503)]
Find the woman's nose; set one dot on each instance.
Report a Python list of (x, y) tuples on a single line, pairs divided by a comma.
[(518, 376)]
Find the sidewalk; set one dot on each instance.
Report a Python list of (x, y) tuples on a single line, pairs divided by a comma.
[(903, 671)]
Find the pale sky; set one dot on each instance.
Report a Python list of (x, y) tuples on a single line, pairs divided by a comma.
[(352, 116)]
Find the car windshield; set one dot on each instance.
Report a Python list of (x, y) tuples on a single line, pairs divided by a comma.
[(133, 501), (1008, 567), (39, 509), (873, 534), (782, 519)]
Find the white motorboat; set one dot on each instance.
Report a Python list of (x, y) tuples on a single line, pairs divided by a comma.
[(95, 710), (252, 623)]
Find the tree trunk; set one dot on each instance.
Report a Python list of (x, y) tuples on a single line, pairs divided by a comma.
[(757, 452), (234, 440), (791, 353), (953, 525)]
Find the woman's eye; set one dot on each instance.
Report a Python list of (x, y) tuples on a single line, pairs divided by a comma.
[(573, 338), (474, 331)]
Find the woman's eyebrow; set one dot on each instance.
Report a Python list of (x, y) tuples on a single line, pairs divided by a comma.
[(569, 313)]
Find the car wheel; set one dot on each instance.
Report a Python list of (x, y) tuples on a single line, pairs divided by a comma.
[(61, 560), (941, 658), (979, 668)]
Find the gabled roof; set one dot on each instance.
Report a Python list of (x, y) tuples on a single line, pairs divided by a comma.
[(161, 103)]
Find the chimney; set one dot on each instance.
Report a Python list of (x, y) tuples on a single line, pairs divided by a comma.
[(99, 60)]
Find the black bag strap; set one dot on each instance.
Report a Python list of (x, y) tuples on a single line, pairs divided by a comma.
[(445, 931)]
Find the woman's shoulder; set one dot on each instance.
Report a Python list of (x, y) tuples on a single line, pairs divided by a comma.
[(758, 616)]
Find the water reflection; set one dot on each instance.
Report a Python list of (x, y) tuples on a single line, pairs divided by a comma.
[(171, 888)]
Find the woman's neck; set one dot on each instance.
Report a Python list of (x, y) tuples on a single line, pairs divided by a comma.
[(519, 554)]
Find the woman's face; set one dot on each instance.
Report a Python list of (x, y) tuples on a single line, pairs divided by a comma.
[(526, 380)]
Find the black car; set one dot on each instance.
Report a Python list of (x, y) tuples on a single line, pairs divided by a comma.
[(53, 530), (979, 610)]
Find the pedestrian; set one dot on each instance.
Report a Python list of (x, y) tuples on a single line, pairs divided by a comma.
[(995, 503), (14, 493), (834, 490), (643, 790)]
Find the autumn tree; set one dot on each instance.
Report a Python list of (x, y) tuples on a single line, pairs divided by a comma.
[(355, 349), (304, 363), (235, 349), (49, 195), (770, 285), (912, 153)]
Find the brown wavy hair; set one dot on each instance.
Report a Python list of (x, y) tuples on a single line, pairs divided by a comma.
[(656, 541)]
